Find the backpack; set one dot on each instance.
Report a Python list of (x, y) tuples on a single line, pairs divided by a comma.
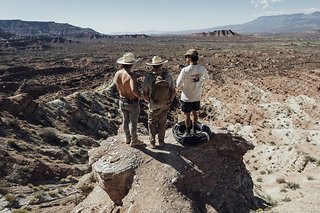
[(160, 92)]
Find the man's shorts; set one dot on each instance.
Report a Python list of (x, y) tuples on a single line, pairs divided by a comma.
[(190, 106)]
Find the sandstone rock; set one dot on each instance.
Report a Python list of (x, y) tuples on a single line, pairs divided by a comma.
[(18, 103), (114, 173), (209, 177), (86, 183), (98, 201)]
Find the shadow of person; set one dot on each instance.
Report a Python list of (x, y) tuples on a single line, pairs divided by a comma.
[(212, 174)]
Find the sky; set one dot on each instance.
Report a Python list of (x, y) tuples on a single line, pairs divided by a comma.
[(110, 16)]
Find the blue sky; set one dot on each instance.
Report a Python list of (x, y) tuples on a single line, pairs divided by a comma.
[(108, 16)]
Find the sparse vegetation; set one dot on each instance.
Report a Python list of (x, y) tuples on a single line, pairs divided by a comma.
[(12, 144), (310, 159), (286, 199), (292, 186), (259, 180), (4, 187), (283, 190), (54, 193), (310, 178), (263, 172), (49, 135), (280, 180), (10, 198), (271, 201)]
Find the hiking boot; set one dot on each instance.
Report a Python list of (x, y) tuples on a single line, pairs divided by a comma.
[(152, 146), (137, 143), (161, 144), (128, 141)]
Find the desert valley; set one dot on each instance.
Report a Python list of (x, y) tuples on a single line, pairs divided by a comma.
[(62, 148)]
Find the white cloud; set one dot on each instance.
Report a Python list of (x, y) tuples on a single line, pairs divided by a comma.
[(264, 3)]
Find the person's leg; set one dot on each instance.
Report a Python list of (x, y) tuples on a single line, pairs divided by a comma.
[(152, 125), (186, 108), (162, 126), (134, 116), (195, 109), (126, 120), (195, 117), (187, 121)]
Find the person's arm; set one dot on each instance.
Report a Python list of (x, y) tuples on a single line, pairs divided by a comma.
[(172, 89), (115, 81), (205, 75), (180, 80), (173, 94), (146, 90)]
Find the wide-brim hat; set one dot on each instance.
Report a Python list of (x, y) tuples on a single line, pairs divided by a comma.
[(192, 52), (128, 59), (157, 60)]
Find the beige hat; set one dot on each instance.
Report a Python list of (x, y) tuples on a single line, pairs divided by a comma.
[(157, 60), (127, 58), (192, 52)]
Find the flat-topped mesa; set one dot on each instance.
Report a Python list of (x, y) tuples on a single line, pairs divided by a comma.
[(217, 33)]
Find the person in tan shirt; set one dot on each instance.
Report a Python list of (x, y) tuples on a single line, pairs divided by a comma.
[(157, 113), (126, 82)]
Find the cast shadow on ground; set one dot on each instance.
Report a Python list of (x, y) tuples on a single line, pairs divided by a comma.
[(212, 174)]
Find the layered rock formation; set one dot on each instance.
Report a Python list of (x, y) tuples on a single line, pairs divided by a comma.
[(208, 177)]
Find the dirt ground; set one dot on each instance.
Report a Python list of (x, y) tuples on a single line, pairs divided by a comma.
[(265, 89)]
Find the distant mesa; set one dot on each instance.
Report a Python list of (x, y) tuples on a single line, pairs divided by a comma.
[(35, 28), (130, 36), (217, 33)]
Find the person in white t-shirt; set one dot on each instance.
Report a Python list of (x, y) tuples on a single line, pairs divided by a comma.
[(190, 82)]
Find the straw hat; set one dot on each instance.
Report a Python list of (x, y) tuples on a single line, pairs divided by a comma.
[(127, 58), (157, 60)]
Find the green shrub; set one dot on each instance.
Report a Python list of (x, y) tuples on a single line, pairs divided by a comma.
[(283, 190), (310, 178), (280, 180), (12, 144), (310, 159), (286, 199), (259, 179), (50, 136), (263, 172), (10, 198), (292, 186), (3, 187)]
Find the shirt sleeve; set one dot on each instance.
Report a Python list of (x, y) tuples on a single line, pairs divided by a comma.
[(172, 83), (205, 75), (180, 79), (145, 83)]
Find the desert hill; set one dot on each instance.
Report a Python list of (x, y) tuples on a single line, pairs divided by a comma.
[(35, 28), (61, 137)]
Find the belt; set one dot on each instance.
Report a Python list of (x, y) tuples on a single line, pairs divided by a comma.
[(129, 100)]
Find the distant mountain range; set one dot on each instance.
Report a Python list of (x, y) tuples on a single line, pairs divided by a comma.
[(265, 24), (298, 22), (277, 24), (35, 28)]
